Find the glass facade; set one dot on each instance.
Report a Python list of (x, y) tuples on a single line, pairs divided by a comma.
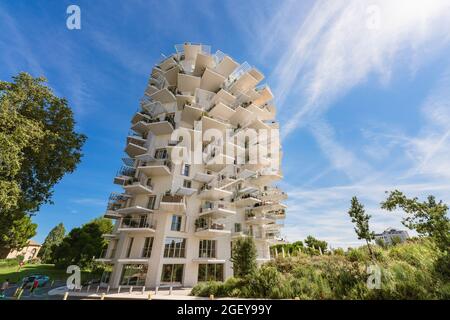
[(133, 275), (210, 272), (172, 273), (174, 248), (147, 249), (207, 249), (176, 223)]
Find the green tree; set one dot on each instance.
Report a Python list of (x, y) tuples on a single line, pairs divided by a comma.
[(316, 245), (53, 239), (428, 218), (82, 244), (361, 219), (244, 257), (38, 145)]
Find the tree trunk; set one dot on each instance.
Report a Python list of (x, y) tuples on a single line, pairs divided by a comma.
[(370, 249)]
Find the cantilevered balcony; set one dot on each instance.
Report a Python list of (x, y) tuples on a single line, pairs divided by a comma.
[(241, 117), (266, 177), (154, 168), (266, 206), (139, 224), (138, 186), (167, 64), (134, 209), (211, 193), (216, 160), (173, 204), (124, 174), (188, 83), (226, 66), (273, 194), (252, 217), (135, 146), (221, 111), (202, 62), (164, 96), (217, 209), (116, 202), (204, 177), (190, 113), (161, 126), (246, 200), (208, 227), (211, 80)]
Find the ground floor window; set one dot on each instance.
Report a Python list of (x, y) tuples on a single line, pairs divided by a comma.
[(210, 272), (172, 273), (133, 275)]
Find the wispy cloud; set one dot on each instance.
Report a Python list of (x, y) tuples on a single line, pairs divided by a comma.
[(336, 48)]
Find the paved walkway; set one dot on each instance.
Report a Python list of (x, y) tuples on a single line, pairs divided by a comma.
[(177, 294)]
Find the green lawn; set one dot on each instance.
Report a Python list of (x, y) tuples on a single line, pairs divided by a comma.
[(46, 269)]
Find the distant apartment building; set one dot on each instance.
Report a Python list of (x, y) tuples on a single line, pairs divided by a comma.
[(203, 154), (389, 234), (29, 252)]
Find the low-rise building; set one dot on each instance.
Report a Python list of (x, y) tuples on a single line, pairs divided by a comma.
[(389, 234), (29, 252)]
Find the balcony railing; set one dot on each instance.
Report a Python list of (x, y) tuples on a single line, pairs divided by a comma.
[(136, 181), (126, 171), (117, 201), (208, 224), (138, 223), (172, 199), (158, 162), (214, 205)]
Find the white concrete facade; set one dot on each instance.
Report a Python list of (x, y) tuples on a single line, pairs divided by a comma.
[(185, 200)]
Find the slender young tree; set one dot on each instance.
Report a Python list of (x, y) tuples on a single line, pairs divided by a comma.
[(244, 257), (361, 221)]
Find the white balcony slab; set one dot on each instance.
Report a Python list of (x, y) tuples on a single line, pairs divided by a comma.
[(155, 170), (163, 96), (171, 75), (211, 80), (134, 210), (203, 177), (212, 233), (214, 194), (226, 66), (160, 128), (188, 83), (133, 150), (137, 188), (221, 111), (202, 62)]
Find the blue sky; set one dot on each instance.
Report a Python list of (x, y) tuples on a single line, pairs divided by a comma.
[(362, 89)]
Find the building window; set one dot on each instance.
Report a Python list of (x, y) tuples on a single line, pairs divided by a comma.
[(210, 272), (133, 275), (130, 246), (174, 247), (237, 227), (151, 202), (147, 249), (161, 154), (186, 170), (176, 223), (172, 273), (187, 183), (207, 249)]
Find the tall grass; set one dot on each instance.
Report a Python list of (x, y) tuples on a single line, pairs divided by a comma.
[(408, 271)]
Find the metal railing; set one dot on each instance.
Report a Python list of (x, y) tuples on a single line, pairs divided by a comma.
[(208, 224), (138, 223)]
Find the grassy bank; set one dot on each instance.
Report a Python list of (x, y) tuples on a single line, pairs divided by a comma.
[(14, 276), (413, 270)]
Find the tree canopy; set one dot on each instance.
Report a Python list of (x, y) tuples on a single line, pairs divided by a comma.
[(53, 239), (38, 146), (428, 218), (82, 244)]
